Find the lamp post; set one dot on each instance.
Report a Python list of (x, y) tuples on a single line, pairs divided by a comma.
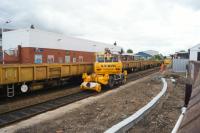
[(6, 22)]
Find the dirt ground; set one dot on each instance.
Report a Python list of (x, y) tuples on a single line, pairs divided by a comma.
[(163, 118), (103, 113)]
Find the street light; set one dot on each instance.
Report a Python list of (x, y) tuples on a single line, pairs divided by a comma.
[(6, 22)]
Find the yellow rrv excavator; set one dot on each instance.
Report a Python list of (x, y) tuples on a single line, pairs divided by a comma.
[(107, 72)]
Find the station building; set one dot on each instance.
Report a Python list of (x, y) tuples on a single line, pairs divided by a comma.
[(38, 46)]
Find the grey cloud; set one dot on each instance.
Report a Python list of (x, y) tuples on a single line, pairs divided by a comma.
[(136, 24), (194, 4)]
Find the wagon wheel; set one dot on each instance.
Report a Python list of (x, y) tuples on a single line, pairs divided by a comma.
[(111, 82), (123, 79)]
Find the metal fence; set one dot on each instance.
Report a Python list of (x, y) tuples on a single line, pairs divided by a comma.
[(179, 65)]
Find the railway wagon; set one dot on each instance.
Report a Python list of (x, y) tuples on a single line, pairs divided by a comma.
[(28, 77), (140, 64), (34, 76), (131, 65)]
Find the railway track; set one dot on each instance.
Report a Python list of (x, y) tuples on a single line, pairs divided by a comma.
[(140, 74), (27, 112)]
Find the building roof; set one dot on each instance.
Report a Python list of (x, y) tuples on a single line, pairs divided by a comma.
[(44, 39), (143, 54), (5, 30), (137, 55), (151, 52), (182, 52), (131, 54), (196, 47)]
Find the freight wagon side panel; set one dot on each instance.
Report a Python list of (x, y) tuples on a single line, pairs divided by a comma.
[(26, 73), (135, 64), (89, 68), (138, 64), (41, 73), (54, 72), (73, 69), (125, 65), (10, 75), (65, 71), (82, 69)]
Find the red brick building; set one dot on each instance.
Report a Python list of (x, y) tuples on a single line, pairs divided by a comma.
[(26, 55)]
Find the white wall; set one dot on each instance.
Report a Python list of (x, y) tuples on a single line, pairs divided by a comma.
[(193, 55), (12, 39), (193, 52)]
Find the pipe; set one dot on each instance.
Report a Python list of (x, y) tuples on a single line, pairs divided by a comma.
[(178, 123), (188, 92)]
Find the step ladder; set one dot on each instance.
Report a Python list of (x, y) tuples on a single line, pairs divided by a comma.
[(10, 91)]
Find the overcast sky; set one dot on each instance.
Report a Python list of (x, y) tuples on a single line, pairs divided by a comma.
[(163, 25)]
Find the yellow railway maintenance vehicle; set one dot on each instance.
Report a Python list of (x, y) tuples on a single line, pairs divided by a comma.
[(108, 71), (167, 61)]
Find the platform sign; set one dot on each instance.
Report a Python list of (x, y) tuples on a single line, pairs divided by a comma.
[(38, 59)]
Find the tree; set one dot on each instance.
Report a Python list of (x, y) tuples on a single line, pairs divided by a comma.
[(115, 43), (129, 51), (157, 57), (32, 26), (122, 51)]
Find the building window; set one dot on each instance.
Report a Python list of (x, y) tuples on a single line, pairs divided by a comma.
[(38, 59), (12, 52), (198, 56), (80, 58), (67, 59), (38, 50), (50, 59), (60, 60), (74, 59)]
